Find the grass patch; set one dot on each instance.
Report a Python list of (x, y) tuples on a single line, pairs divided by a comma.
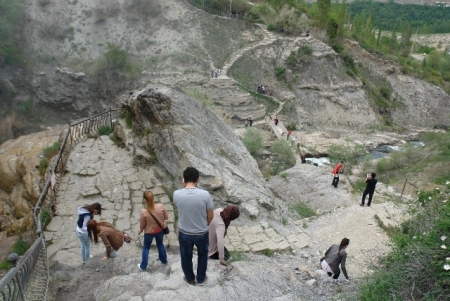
[(390, 230), (268, 252), (46, 218), (52, 150), (20, 247), (304, 210), (358, 185), (43, 164), (199, 95), (284, 221), (237, 256), (48, 153), (104, 130)]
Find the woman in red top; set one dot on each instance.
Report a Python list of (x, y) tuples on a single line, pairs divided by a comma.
[(335, 173), (152, 222)]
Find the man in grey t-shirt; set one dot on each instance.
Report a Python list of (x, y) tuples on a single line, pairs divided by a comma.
[(195, 212)]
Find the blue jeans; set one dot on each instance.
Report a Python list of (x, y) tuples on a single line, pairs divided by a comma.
[(85, 245), (148, 238), (187, 243)]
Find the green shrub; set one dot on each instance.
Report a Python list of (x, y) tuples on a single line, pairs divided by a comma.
[(116, 58), (279, 72), (104, 130), (291, 127), (385, 92), (270, 27), (52, 150), (237, 256), (283, 157), (46, 218), (43, 164), (268, 252), (253, 141), (417, 268), (306, 50), (20, 247), (304, 210), (128, 120)]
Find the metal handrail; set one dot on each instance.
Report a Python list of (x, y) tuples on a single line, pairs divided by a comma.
[(24, 281), (404, 186)]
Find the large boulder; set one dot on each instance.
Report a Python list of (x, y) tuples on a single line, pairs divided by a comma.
[(184, 132)]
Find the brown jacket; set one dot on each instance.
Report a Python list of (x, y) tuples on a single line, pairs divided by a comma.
[(148, 223), (111, 237)]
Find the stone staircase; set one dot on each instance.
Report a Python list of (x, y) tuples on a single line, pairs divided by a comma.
[(269, 38)]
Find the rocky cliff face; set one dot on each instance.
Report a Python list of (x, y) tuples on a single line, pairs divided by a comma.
[(184, 132), (20, 180)]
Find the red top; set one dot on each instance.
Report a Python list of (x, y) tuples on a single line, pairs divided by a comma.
[(337, 168)]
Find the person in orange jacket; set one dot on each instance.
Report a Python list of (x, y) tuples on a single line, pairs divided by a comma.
[(335, 173)]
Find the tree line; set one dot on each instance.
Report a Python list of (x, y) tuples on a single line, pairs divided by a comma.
[(390, 15)]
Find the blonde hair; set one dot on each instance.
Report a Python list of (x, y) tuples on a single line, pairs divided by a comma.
[(150, 200)]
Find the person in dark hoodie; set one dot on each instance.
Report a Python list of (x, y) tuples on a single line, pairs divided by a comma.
[(85, 214), (335, 256), (217, 231)]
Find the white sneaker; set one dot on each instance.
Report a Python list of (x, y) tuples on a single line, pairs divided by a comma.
[(139, 267)]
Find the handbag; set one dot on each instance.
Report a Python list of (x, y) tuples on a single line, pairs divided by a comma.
[(165, 230)]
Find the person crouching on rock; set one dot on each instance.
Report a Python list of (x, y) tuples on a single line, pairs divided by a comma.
[(334, 257), (217, 231), (112, 238)]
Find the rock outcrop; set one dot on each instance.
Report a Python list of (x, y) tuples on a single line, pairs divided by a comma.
[(20, 179), (184, 132)]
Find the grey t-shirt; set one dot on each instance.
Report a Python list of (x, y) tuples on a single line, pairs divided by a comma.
[(192, 204)]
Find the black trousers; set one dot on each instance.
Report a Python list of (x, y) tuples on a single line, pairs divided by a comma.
[(335, 181), (367, 192), (336, 276), (216, 255)]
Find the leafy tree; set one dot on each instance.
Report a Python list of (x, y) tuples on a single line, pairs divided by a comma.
[(323, 10), (116, 58), (283, 154)]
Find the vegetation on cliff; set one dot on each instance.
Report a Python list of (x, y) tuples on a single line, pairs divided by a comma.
[(11, 19), (418, 267)]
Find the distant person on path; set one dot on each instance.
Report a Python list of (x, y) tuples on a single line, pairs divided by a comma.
[(112, 238), (217, 231), (335, 173), (152, 222), (335, 256), (302, 158), (85, 214), (275, 120), (371, 182), (246, 122), (250, 121), (195, 213)]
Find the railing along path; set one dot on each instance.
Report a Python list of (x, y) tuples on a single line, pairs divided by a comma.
[(28, 278)]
